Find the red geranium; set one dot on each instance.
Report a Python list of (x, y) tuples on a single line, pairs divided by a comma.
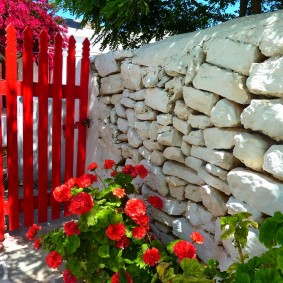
[(32, 231), (135, 207), (156, 201), (53, 260), (71, 228), (86, 180), (115, 232), (139, 232), (123, 242), (112, 174), (141, 170), (37, 243), (151, 256), (72, 182), (119, 193), (92, 166), (108, 164), (115, 278), (142, 220), (197, 238), (184, 249), (130, 169), (69, 277), (62, 193), (81, 203)]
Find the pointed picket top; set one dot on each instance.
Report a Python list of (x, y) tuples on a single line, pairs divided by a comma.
[(86, 45), (11, 35), (28, 42), (72, 46), (58, 41), (43, 40), (11, 29)]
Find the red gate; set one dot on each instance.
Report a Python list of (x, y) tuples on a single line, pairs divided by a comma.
[(42, 199)]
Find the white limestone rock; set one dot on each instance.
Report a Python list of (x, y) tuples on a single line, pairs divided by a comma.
[(174, 89), (105, 100), (200, 218), (250, 149), (158, 99), (181, 126), (260, 191), (113, 116), (157, 158), (164, 79), (213, 200), (123, 54), (155, 178), (216, 171), (223, 159), (160, 216), (219, 138), (143, 112), (162, 227), (173, 206), (137, 157), (131, 117), (153, 131), (273, 161), (192, 192), (199, 100), (172, 168), (230, 54), (137, 95), (226, 113), (194, 138), (199, 121), (174, 66), (127, 102), (194, 163), (120, 110), (186, 148), (164, 119), (115, 98), (222, 82), (177, 192), (162, 129), (122, 137), (152, 145), (112, 84), (150, 76), (181, 110), (235, 206), (123, 125), (144, 153), (175, 181), (106, 64), (214, 181), (133, 138), (171, 138), (174, 153), (131, 75), (127, 151), (260, 114), (265, 78), (142, 129)]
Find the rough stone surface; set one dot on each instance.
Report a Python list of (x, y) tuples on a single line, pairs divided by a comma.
[(160, 216), (260, 114), (164, 119), (222, 82), (162, 227), (143, 112), (192, 192), (194, 138), (181, 110), (175, 181), (173, 206), (174, 66), (177, 192), (158, 99), (131, 117), (142, 129), (199, 121), (223, 159), (199, 100), (177, 169), (230, 54), (115, 98), (257, 188), (250, 149), (127, 151), (144, 153), (265, 78), (123, 125), (106, 64), (172, 138), (153, 131), (112, 84), (152, 145), (127, 102), (123, 54), (120, 110), (186, 148), (174, 153), (162, 129), (273, 161), (181, 126), (137, 95), (157, 158), (133, 138), (194, 163), (131, 75), (226, 113), (213, 200), (174, 88), (150, 76), (216, 171)]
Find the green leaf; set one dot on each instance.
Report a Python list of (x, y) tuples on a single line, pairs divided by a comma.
[(280, 260), (76, 190), (115, 218), (122, 276), (191, 267), (72, 243), (267, 232), (242, 278), (103, 251), (279, 236), (267, 275)]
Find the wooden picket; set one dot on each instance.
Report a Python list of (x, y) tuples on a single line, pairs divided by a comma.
[(10, 87)]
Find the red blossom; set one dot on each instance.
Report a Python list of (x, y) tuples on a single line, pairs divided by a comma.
[(62, 193), (53, 260), (123, 242), (156, 201), (32, 231), (135, 207), (108, 164), (119, 193), (81, 203), (151, 256), (112, 174), (69, 277), (72, 182), (130, 169), (37, 243), (115, 278), (183, 249), (92, 166), (142, 220), (71, 228), (197, 238), (115, 232), (139, 232), (141, 171), (86, 180)]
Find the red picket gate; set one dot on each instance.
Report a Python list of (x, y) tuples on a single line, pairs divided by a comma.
[(43, 200)]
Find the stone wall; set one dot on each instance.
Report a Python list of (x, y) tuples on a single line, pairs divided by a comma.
[(204, 113)]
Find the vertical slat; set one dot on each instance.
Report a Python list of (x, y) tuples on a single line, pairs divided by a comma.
[(2, 211), (12, 142), (84, 80), (43, 72), (56, 123), (28, 127)]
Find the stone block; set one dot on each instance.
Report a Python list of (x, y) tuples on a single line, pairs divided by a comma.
[(174, 153), (152, 145), (122, 125), (112, 84), (199, 121), (177, 191), (105, 64), (158, 99), (142, 129), (127, 102), (171, 138), (157, 158), (194, 138), (175, 181), (150, 76), (181, 126), (137, 95), (165, 119), (186, 148), (216, 171), (131, 75), (181, 110), (133, 138), (273, 161), (192, 192), (194, 163), (120, 110)]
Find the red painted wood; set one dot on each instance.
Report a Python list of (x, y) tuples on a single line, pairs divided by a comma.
[(2, 212), (12, 143), (28, 127), (43, 71), (84, 81), (56, 123)]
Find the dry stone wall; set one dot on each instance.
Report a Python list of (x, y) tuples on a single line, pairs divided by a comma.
[(204, 113)]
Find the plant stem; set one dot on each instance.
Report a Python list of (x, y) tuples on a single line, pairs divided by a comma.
[(100, 180), (240, 251)]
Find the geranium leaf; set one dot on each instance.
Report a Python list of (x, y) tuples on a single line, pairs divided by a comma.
[(103, 251), (279, 236), (72, 243), (242, 278)]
